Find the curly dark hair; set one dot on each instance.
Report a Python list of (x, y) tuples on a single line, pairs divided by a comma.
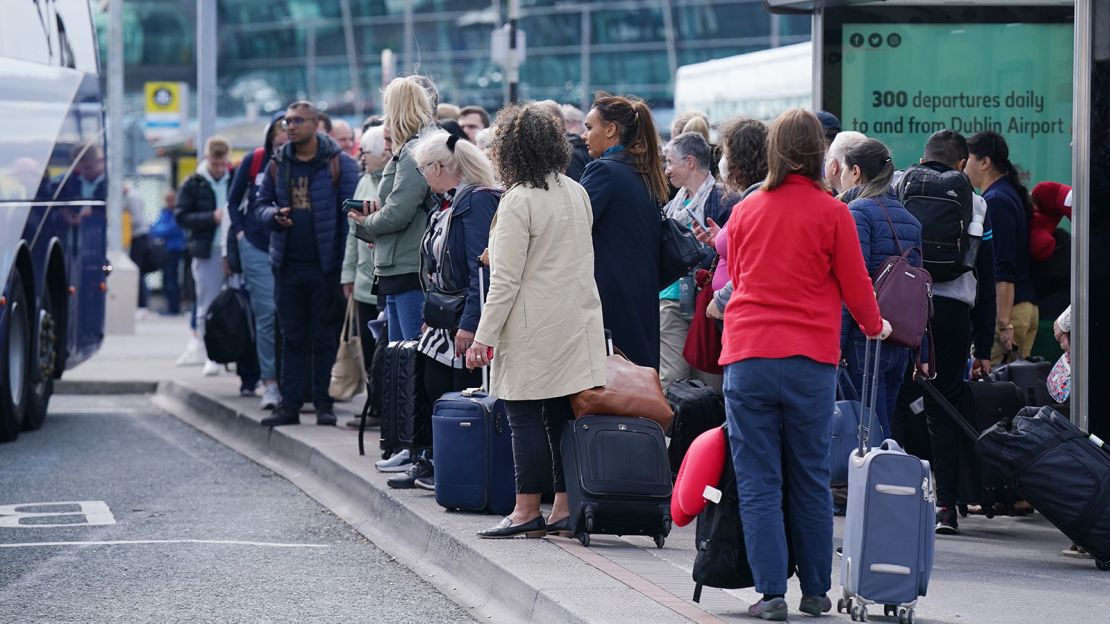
[(745, 144), (528, 145)]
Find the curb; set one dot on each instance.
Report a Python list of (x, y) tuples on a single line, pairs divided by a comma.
[(535, 583), (68, 387)]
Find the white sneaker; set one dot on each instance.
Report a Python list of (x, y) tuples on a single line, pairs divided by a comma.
[(400, 462), (193, 354), (271, 397), (211, 369)]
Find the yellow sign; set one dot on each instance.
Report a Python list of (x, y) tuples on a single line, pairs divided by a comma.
[(163, 97)]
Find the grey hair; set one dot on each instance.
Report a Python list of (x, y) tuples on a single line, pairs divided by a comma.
[(429, 87), (844, 141), (556, 111), (373, 140), (573, 115), (693, 144)]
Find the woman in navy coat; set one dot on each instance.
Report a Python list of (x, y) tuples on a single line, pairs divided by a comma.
[(626, 187)]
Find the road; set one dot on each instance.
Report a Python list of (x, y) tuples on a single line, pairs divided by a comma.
[(177, 527)]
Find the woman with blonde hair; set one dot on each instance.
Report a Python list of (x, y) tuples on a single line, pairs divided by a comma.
[(396, 222), (781, 347), (457, 233), (543, 315)]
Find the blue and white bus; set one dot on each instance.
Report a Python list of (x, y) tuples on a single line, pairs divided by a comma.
[(53, 263)]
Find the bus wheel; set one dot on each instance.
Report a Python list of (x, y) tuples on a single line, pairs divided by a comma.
[(15, 361), (41, 385)]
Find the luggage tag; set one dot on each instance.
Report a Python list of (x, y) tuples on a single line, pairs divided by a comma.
[(712, 494)]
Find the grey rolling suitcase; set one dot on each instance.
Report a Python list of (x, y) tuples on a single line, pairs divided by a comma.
[(889, 526)]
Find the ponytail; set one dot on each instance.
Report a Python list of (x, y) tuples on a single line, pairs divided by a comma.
[(990, 144), (875, 165), (639, 137)]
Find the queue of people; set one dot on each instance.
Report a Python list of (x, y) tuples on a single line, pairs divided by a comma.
[(567, 210)]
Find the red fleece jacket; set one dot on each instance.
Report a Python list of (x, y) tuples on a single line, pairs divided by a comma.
[(794, 255)]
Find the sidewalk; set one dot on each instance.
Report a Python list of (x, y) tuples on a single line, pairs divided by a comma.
[(1000, 570)]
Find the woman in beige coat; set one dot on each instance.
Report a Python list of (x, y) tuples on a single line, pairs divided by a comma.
[(542, 320)]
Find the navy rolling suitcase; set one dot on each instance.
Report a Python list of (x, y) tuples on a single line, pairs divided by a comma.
[(473, 450), (889, 537), (1061, 470), (473, 447), (846, 421), (618, 477)]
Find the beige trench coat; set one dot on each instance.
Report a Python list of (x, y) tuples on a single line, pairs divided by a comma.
[(543, 313)]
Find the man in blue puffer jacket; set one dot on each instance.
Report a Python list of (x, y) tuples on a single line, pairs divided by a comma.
[(300, 199), (885, 229)]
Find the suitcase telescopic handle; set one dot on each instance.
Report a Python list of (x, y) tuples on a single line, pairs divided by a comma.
[(481, 309), (870, 396)]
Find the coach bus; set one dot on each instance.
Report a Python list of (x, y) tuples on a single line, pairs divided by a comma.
[(53, 190)]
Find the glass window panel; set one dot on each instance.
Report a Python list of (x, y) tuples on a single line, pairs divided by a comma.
[(23, 33), (644, 25)]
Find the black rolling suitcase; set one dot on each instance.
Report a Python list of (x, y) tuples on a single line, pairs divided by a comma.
[(1031, 377), (617, 476), (1058, 468), (402, 396), (697, 409), (983, 404)]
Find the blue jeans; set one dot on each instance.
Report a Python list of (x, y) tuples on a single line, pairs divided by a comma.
[(308, 305), (779, 415), (892, 372), (405, 314), (259, 275), (171, 282)]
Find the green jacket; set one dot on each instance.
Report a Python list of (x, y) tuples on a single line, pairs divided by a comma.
[(398, 227), (358, 260)]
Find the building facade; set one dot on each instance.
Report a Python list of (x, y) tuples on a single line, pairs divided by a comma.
[(331, 51)]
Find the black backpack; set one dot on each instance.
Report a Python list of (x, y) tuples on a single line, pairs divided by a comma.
[(228, 327), (942, 202), (697, 409), (722, 558)]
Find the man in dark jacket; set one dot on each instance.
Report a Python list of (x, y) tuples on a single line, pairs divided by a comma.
[(252, 237), (200, 212), (300, 199)]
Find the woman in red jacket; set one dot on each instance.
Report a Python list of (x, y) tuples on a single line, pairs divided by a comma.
[(793, 254)]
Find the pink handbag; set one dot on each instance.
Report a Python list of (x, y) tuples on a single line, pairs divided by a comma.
[(1059, 379)]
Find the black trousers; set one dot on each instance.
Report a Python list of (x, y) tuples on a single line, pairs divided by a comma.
[(952, 341), (537, 433), (439, 379), (308, 304)]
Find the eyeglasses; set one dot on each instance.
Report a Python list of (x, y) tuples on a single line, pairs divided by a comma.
[(422, 168), (295, 121)]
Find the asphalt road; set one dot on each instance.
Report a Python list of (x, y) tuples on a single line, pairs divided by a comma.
[(187, 530)]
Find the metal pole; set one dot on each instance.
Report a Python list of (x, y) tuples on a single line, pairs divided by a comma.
[(668, 35), (408, 63), (514, 65), (1081, 214), (776, 36), (497, 24), (587, 35), (352, 56), (310, 62), (818, 42), (115, 125), (206, 72)]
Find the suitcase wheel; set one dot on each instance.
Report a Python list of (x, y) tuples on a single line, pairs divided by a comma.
[(589, 520), (859, 613), (660, 540), (584, 539), (842, 605), (890, 610), (1103, 565), (905, 615)]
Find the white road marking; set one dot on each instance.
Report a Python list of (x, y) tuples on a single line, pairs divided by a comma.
[(95, 513), (179, 541)]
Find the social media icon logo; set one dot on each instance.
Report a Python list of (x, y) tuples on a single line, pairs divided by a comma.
[(875, 40), (856, 39), (894, 40)]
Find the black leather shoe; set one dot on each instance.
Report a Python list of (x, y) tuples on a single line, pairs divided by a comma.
[(506, 528), (325, 416), (560, 528), (281, 417)]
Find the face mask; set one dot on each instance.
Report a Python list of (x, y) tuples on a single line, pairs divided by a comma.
[(722, 166)]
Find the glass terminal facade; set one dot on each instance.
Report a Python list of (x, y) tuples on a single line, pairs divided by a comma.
[(274, 51)]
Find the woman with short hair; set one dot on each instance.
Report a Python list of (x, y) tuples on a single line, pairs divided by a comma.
[(794, 256), (542, 321)]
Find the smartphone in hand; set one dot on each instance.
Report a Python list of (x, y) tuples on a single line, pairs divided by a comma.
[(352, 204), (695, 219)]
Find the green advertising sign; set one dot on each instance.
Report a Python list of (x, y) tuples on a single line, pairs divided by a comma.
[(901, 83)]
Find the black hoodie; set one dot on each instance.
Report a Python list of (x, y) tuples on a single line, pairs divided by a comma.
[(243, 218)]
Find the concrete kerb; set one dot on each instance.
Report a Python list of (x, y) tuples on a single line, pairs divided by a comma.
[(65, 386), (439, 556)]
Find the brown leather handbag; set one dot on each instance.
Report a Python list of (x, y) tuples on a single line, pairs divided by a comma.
[(629, 390)]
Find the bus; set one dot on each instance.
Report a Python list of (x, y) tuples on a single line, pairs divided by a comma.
[(53, 192)]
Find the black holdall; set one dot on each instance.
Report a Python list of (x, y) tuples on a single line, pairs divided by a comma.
[(679, 251)]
